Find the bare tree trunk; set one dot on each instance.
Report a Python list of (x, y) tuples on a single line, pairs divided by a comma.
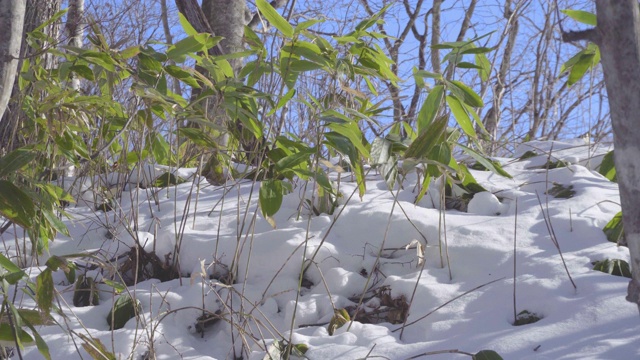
[(226, 18), (36, 13), (11, 23), (169, 38), (435, 35), (74, 31), (492, 118), (618, 35)]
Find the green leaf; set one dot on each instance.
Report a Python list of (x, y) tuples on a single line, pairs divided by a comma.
[(15, 204), (182, 75), (275, 18), (131, 51), (584, 17), (270, 198), (430, 108), (424, 188), (283, 101), (13, 273), (303, 65), (124, 309), (190, 45), (617, 267), (580, 63), (167, 179), (96, 348), (427, 74), (608, 167), (83, 71), (99, 58), (465, 93), (487, 163), (461, 116), (186, 25), (292, 161), (486, 355), (485, 66), (353, 133), (476, 50), (346, 146), (198, 136), (380, 151), (468, 65), (6, 264), (44, 290), (339, 319), (580, 68), (15, 160), (7, 335), (55, 222), (614, 229), (43, 348), (426, 140)]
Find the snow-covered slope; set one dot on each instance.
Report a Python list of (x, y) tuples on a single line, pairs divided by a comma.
[(361, 248)]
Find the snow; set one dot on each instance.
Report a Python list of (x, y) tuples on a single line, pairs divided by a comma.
[(361, 248)]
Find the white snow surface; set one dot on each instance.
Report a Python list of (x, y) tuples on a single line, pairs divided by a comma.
[(591, 321)]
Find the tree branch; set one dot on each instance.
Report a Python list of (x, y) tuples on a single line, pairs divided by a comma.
[(590, 35)]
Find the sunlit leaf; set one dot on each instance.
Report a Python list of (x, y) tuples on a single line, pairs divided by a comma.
[(584, 17), (15, 160), (15, 204), (124, 309), (430, 108), (608, 167), (44, 290), (274, 18), (614, 229), (465, 93), (461, 116), (270, 197)]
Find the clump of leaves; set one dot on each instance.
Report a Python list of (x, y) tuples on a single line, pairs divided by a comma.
[(85, 292), (525, 317), (486, 355), (528, 154), (560, 191), (340, 317), (105, 206), (555, 164), (617, 267), (326, 202), (140, 265), (167, 179), (124, 309), (284, 350), (96, 348), (615, 231), (382, 307), (207, 320)]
